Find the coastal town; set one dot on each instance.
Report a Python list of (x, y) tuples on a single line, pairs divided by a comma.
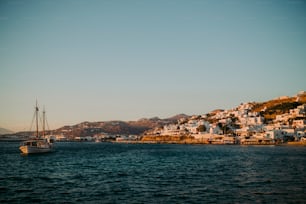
[(241, 125), (278, 121)]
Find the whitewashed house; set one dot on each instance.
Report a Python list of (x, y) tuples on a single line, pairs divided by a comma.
[(215, 129), (299, 123)]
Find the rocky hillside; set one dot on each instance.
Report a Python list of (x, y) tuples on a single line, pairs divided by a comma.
[(116, 127)]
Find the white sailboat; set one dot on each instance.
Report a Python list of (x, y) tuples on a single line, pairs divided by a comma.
[(37, 145)]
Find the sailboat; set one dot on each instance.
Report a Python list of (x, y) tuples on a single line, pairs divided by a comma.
[(37, 145)]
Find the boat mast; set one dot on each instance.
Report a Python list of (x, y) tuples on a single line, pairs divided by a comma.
[(44, 119), (36, 115)]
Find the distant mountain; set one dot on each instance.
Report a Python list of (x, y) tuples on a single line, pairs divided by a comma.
[(4, 131), (178, 117), (116, 127)]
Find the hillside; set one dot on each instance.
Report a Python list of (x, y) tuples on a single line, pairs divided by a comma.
[(281, 105), (116, 127), (4, 131)]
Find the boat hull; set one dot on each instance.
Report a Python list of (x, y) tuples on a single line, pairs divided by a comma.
[(33, 150), (35, 146)]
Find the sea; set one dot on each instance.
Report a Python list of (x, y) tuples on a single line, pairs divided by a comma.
[(88, 172)]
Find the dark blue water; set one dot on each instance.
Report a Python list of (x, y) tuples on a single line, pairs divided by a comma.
[(143, 173)]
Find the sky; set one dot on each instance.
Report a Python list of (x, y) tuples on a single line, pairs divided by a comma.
[(100, 60)]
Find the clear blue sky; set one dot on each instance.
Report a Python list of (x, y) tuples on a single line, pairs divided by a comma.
[(88, 60)]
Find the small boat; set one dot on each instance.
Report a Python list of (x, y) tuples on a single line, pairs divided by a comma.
[(37, 145)]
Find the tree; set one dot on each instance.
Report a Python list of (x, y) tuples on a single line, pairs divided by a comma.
[(224, 127), (201, 128)]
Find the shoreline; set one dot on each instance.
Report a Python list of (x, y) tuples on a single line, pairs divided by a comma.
[(182, 142), (201, 143)]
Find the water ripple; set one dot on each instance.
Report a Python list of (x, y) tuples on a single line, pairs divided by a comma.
[(124, 173)]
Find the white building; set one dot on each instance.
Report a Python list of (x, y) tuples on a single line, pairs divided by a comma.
[(215, 129), (299, 123)]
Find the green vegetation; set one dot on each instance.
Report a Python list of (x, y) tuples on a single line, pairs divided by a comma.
[(283, 107)]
